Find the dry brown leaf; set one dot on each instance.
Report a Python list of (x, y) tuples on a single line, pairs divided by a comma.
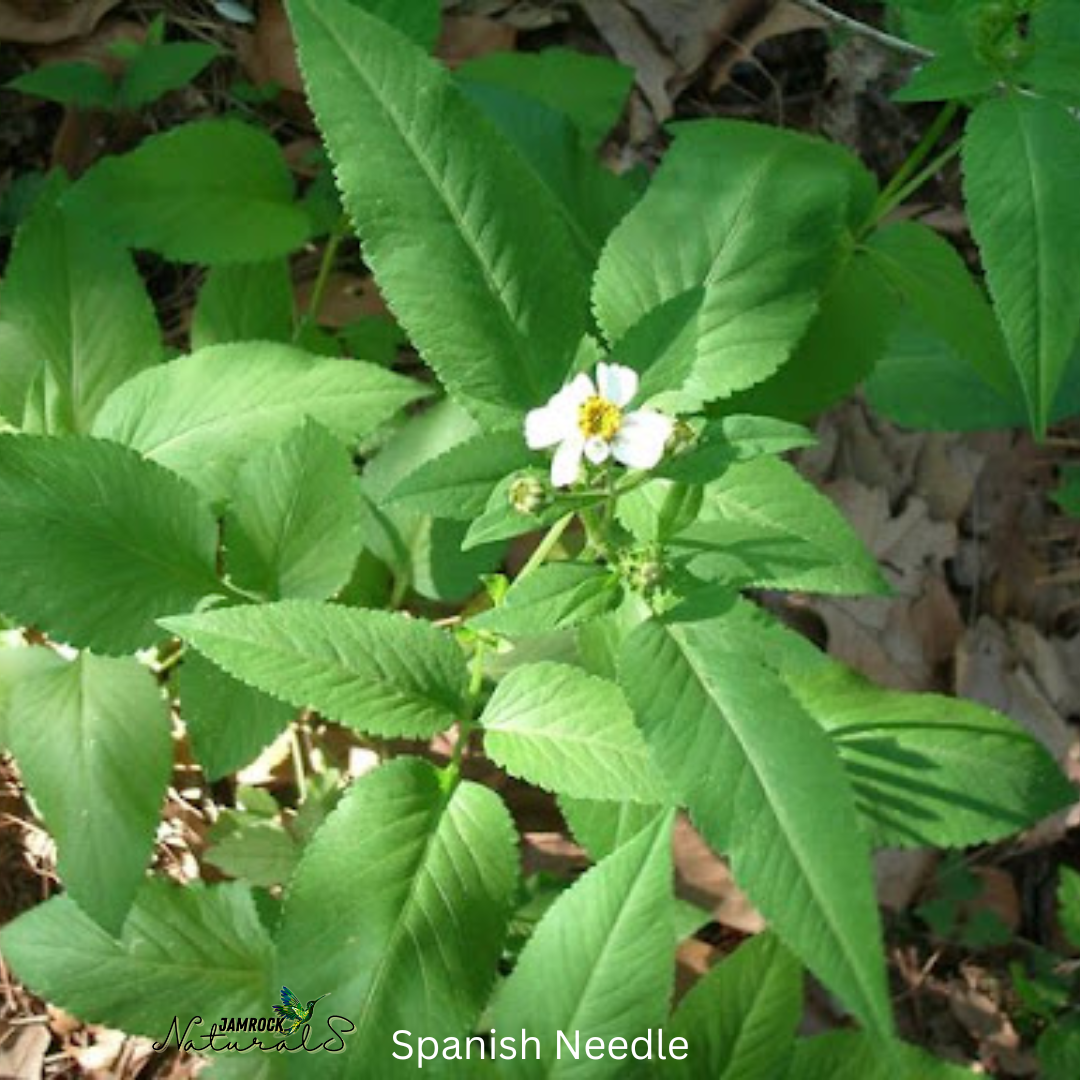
[(22, 1050), (635, 47), (899, 641), (690, 30), (552, 853), (267, 55), (990, 668), (45, 22), (96, 48), (946, 472), (100, 1058), (464, 37), (780, 19), (704, 879), (989, 1025), (346, 298), (272, 54), (693, 959), (998, 895), (901, 875), (1054, 662)]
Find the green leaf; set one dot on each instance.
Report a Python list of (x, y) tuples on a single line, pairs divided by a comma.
[(758, 246), (157, 69), (842, 343), (400, 907), (569, 732), (909, 759), (740, 1018), (423, 551), (949, 77), (293, 524), (244, 302), (553, 597), (458, 483), (601, 827), (661, 347), (96, 542), (501, 520), (441, 569), (76, 83), (1067, 493), (962, 400), (203, 414), (938, 289), (184, 952), (229, 722), (17, 665), (917, 358), (857, 1055), (762, 524), (494, 299), (590, 90), (1054, 67), (259, 852), (1068, 898), (599, 964), (660, 509), (75, 322), (733, 438), (740, 628), (598, 642), (376, 338), (1059, 1049), (209, 191), (418, 20), (93, 745), (772, 796), (1020, 153), (379, 672), (590, 198)]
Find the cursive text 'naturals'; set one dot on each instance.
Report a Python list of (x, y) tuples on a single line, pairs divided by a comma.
[(507, 1048)]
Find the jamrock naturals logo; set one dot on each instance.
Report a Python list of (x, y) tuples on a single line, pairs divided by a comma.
[(267, 1033)]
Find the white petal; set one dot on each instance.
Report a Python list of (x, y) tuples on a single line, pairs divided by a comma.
[(581, 389), (597, 450), (616, 383), (566, 464), (549, 425), (640, 441)]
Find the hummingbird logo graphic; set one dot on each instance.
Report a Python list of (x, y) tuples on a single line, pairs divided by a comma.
[(292, 1012)]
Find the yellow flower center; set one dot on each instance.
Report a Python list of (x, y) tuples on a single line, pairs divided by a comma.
[(597, 416)]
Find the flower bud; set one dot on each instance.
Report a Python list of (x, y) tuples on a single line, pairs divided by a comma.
[(528, 495), (682, 437), (643, 568)]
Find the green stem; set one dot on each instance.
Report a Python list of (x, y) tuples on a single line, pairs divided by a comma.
[(898, 184), (398, 591), (920, 178), (326, 266), (545, 547), (467, 723), (594, 533), (242, 595), (170, 661)]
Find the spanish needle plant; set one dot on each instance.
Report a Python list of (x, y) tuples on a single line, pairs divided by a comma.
[(608, 371)]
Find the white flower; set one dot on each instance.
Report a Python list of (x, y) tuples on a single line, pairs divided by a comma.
[(587, 418)]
